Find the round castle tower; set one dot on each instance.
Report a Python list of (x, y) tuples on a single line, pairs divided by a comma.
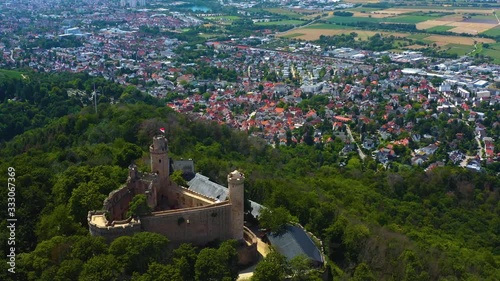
[(235, 182), (159, 159)]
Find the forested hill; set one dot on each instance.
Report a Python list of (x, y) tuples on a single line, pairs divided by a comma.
[(375, 224), (29, 100)]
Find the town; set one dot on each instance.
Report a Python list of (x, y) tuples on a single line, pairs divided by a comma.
[(395, 108)]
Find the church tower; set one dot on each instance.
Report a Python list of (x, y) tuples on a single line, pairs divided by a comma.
[(159, 159), (235, 181)]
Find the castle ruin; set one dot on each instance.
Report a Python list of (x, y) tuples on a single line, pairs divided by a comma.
[(182, 215)]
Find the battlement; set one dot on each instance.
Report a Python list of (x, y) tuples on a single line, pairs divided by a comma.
[(100, 226), (159, 144), (236, 177)]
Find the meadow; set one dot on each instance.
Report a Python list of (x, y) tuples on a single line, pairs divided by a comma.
[(282, 22), (283, 12), (439, 28), (492, 32), (9, 74), (228, 18), (458, 49), (409, 19)]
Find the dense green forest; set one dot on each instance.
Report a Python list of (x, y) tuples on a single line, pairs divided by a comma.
[(375, 224)]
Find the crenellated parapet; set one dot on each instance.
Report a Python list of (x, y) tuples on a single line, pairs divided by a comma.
[(100, 226)]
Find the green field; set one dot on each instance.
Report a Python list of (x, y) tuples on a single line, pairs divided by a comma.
[(493, 51), (363, 9), (419, 36), (337, 19), (282, 22), (9, 74), (458, 49), (283, 12), (495, 54), (478, 50), (465, 9), (408, 19), (399, 19), (484, 17), (492, 32), (293, 35), (208, 35), (325, 26), (439, 28), (494, 46), (223, 18)]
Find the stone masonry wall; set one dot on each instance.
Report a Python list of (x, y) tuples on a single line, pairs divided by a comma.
[(197, 225), (111, 232), (117, 203)]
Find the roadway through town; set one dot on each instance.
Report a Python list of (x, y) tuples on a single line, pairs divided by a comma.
[(360, 152)]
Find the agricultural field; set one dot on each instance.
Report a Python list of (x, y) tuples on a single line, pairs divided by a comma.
[(492, 32), (370, 15), (409, 19), (460, 20), (283, 12), (305, 11), (364, 1), (324, 26), (470, 27), (489, 18), (282, 22), (458, 49), (313, 32), (363, 9), (393, 12), (431, 19), (312, 16), (433, 23), (456, 10), (442, 40), (340, 20), (492, 50), (418, 36), (439, 28), (458, 25), (415, 47), (293, 35), (223, 18)]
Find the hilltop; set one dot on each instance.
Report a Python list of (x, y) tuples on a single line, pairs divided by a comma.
[(375, 224)]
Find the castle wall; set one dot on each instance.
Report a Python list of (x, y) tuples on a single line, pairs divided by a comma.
[(117, 203), (98, 226), (197, 225), (247, 250), (179, 197)]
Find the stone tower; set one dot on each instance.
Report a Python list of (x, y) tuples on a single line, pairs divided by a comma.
[(235, 182), (159, 159)]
